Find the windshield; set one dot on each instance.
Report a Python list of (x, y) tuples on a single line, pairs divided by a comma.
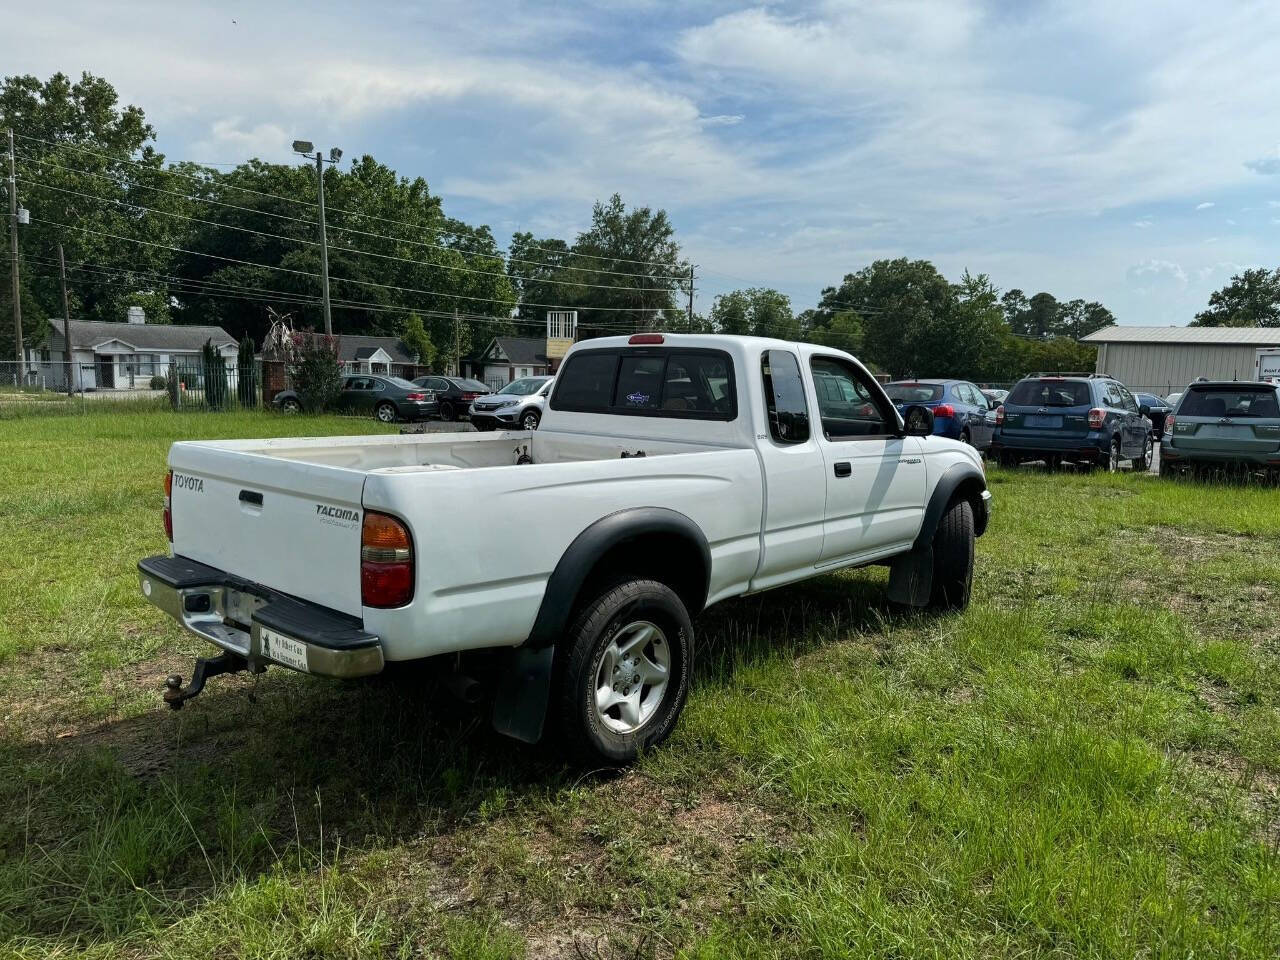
[(524, 386), (1050, 393), (1230, 402), (914, 392), (472, 386), (394, 381)]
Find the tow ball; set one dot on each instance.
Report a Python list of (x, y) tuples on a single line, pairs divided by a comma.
[(175, 694)]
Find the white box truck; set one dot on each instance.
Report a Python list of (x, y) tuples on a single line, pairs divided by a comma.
[(1267, 366)]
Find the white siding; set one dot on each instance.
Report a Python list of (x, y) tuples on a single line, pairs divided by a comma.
[(1165, 367)]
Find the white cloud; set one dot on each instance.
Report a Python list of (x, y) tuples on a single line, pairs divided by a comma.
[(1143, 223), (1154, 271), (1267, 165), (1204, 206)]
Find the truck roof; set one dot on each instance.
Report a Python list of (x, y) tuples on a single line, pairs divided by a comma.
[(719, 340)]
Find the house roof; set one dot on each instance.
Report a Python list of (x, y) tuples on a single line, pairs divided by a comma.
[(145, 337), (521, 351), (361, 348), (1219, 336)]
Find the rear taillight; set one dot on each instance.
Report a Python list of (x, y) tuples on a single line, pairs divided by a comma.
[(944, 410), (1168, 424), (1000, 415), (386, 562), (470, 396), (168, 505), (415, 396), (1097, 418)]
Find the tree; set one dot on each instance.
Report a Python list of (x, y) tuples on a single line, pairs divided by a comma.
[(630, 266), (1041, 318), (533, 266), (1078, 319), (1251, 299), (154, 304), (758, 311), (62, 185), (844, 332), (316, 372), (419, 342), (1015, 304)]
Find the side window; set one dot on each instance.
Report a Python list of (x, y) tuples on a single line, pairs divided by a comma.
[(1130, 403), (784, 397), (847, 405), (377, 386), (974, 396)]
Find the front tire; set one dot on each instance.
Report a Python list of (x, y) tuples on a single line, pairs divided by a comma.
[(622, 674), (291, 407), (1113, 458), (953, 558), (530, 420)]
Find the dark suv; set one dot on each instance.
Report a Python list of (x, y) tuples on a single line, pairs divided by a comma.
[(1087, 418)]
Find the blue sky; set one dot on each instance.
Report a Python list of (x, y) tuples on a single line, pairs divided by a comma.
[(1123, 152)]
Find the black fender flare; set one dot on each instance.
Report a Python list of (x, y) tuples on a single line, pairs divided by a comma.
[(588, 547), (524, 691), (963, 478)]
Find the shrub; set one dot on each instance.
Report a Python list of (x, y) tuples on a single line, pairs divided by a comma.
[(316, 374), (247, 375), (215, 376), (157, 382)]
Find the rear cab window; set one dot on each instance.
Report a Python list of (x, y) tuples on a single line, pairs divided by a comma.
[(914, 392), (1230, 401), (678, 382), (1050, 393)]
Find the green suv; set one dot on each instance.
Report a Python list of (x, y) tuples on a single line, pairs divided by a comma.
[(1225, 424)]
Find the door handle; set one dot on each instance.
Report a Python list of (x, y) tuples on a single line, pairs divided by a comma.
[(251, 497), (844, 469)]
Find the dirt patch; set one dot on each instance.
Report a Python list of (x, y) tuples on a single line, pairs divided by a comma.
[(1258, 786)]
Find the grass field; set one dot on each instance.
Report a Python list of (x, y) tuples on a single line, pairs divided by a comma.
[(1085, 764)]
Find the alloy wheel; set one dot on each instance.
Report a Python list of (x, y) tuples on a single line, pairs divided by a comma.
[(631, 680)]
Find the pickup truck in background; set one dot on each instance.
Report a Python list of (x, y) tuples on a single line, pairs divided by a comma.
[(565, 566)]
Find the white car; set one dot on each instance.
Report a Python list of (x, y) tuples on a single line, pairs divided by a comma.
[(670, 472), (517, 406)]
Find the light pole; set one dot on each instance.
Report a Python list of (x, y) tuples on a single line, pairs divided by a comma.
[(15, 217), (305, 147)]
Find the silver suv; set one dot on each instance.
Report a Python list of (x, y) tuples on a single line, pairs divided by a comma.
[(517, 406), (1231, 425)]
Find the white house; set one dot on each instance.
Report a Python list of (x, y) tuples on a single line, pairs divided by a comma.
[(125, 356), (374, 354), (510, 358)]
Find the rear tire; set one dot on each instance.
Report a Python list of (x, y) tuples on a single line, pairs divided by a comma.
[(1143, 463), (386, 412), (447, 412), (1113, 459), (291, 406), (965, 438), (953, 558), (636, 628)]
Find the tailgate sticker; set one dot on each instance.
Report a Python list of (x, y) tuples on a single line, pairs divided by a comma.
[(337, 516), (182, 481)]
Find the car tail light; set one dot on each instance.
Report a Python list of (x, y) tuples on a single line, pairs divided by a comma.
[(944, 410), (641, 338), (1097, 418), (1000, 415), (168, 505), (470, 396), (1168, 424), (415, 396), (386, 562)]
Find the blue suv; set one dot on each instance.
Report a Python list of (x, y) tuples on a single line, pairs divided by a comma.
[(960, 411), (1086, 418)]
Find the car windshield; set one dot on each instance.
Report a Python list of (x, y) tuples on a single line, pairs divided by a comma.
[(1230, 402), (524, 386), (1050, 393), (472, 386), (914, 392), (394, 381)]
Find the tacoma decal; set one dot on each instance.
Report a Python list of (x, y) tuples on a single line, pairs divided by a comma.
[(337, 516)]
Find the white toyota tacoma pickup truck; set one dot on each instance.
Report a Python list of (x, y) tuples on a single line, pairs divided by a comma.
[(670, 472)]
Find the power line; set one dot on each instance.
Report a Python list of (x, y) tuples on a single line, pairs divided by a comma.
[(208, 181)]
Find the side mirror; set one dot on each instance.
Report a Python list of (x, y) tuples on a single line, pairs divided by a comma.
[(992, 404), (917, 421), (1144, 410)]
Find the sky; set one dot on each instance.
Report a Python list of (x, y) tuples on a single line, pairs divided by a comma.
[(1126, 152)]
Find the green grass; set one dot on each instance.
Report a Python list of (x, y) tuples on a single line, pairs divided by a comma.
[(1084, 764)]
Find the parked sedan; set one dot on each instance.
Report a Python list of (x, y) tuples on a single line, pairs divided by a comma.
[(1157, 410), (454, 394), (387, 398), (518, 405), (1227, 424), (959, 408)]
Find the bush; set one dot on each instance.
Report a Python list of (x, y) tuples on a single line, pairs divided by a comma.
[(316, 374), (157, 382)]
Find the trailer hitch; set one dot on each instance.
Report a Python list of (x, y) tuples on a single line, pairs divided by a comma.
[(175, 694)]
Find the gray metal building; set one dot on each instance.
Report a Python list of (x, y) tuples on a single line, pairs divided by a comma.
[(1161, 360)]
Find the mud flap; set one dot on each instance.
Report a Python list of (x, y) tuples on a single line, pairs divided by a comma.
[(520, 705), (911, 577)]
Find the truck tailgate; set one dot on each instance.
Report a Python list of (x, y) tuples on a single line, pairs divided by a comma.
[(288, 525)]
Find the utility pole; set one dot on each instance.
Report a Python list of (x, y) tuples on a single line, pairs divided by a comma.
[(66, 318), (457, 345), (13, 250), (691, 298), (324, 250)]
